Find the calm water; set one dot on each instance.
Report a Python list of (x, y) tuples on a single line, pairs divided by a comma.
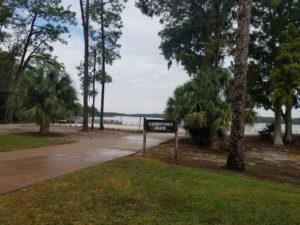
[(259, 126), (135, 121)]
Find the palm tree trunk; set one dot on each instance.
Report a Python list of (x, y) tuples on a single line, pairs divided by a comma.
[(235, 159), (277, 132), (44, 128), (288, 136), (214, 139), (9, 114)]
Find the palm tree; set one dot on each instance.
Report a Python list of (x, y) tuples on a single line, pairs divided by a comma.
[(203, 102), (177, 108), (45, 93), (209, 102)]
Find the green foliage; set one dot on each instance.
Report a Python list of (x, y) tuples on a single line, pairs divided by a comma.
[(41, 23), (12, 142), (141, 191), (203, 102), (270, 20), (198, 34), (6, 11), (44, 94), (7, 71), (286, 75), (110, 13), (267, 133)]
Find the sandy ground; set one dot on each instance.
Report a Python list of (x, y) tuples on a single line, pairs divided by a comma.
[(263, 160), (64, 131)]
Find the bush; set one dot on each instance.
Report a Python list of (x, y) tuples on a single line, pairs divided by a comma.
[(267, 133), (201, 136)]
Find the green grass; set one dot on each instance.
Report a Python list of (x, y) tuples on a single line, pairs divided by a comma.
[(141, 191), (10, 142)]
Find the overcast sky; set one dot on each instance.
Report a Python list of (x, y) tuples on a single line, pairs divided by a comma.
[(142, 82)]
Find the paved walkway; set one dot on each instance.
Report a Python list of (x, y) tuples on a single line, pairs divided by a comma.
[(23, 168)]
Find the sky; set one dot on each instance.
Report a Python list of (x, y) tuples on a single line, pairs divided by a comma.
[(142, 82)]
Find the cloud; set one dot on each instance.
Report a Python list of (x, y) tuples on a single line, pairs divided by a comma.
[(141, 81)]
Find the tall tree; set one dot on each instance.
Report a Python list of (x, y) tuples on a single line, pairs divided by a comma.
[(33, 27), (286, 75), (107, 15), (269, 19), (235, 159), (41, 23), (85, 16)]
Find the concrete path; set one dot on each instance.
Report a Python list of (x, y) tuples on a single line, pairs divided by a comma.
[(23, 168)]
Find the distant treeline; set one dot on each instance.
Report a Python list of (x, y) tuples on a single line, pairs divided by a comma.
[(261, 119), (154, 115)]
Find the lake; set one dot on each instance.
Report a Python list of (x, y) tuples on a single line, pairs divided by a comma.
[(136, 121)]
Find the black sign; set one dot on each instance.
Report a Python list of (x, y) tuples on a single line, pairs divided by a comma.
[(160, 126)]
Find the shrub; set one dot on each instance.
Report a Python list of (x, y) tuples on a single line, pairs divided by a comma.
[(267, 133), (201, 136)]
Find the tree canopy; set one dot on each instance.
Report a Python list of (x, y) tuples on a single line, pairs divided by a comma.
[(197, 34), (35, 25)]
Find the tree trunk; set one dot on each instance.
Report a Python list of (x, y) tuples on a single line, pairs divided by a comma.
[(85, 14), (214, 139), (103, 68), (235, 159), (44, 128), (22, 67), (94, 93), (288, 136), (102, 106), (277, 131), (9, 115)]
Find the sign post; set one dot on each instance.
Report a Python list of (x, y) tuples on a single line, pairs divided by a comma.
[(176, 145), (161, 126), (145, 139)]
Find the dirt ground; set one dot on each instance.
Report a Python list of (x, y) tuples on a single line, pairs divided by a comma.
[(62, 131), (263, 160)]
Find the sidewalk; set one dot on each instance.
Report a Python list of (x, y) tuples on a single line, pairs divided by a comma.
[(19, 169)]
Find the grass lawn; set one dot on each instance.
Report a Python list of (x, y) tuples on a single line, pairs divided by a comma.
[(10, 142), (144, 191)]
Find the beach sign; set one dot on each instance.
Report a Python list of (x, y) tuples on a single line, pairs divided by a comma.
[(160, 126)]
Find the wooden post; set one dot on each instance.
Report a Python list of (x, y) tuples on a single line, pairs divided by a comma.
[(145, 138), (140, 123), (176, 144)]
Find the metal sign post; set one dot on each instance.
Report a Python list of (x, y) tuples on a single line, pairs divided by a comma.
[(161, 126)]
